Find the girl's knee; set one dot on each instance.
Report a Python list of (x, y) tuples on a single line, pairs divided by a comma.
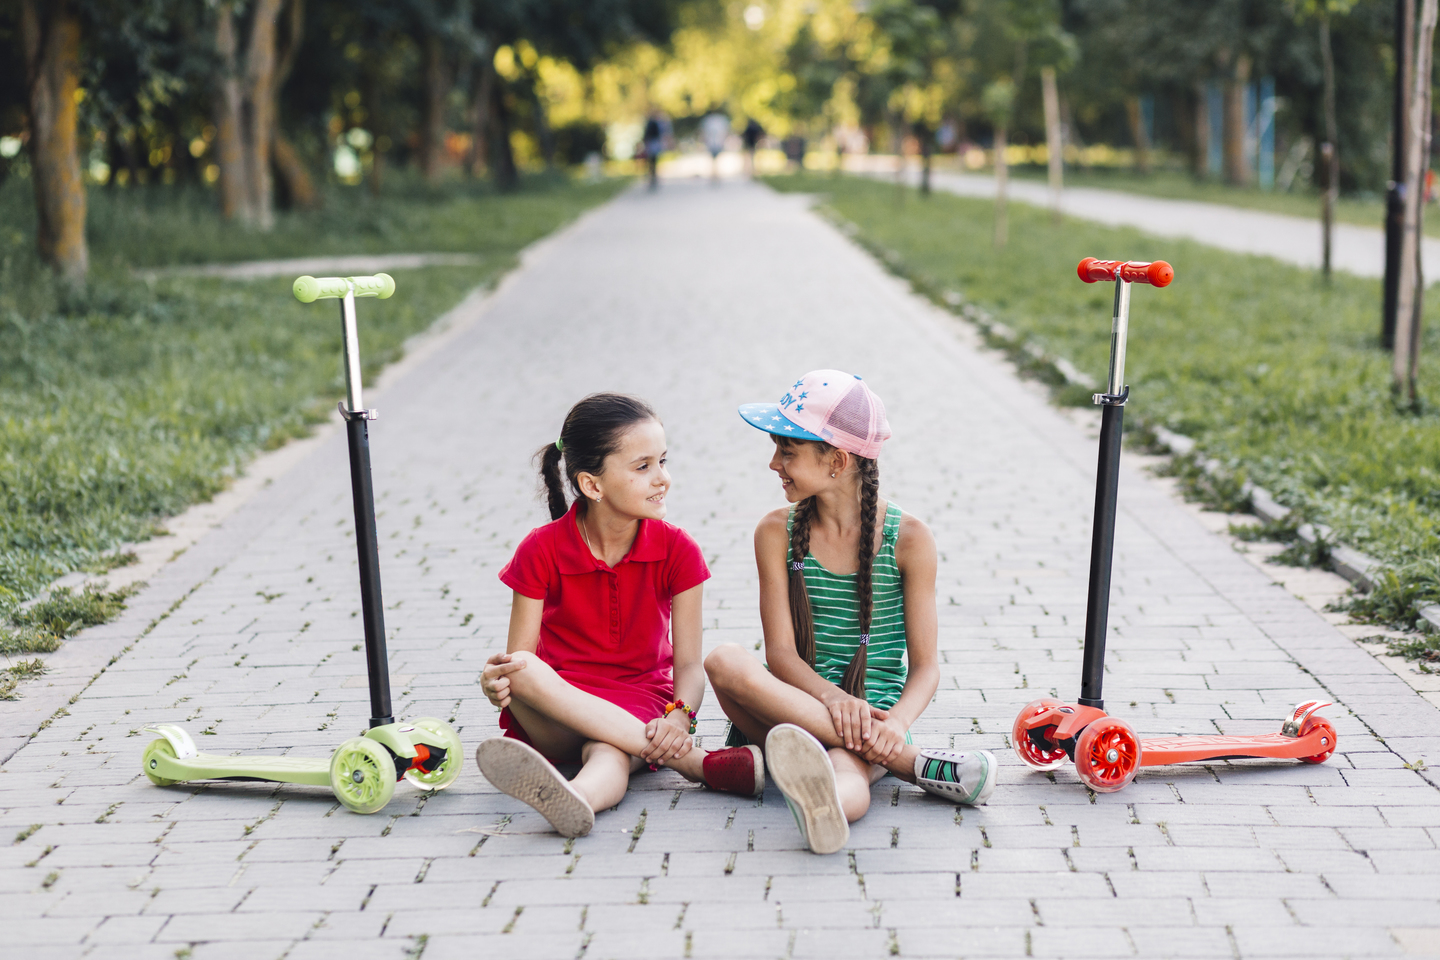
[(727, 665), (533, 676)]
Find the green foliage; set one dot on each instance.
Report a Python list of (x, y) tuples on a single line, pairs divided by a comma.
[(1400, 590), (10, 678), (65, 612), (1424, 650), (128, 401), (1275, 375)]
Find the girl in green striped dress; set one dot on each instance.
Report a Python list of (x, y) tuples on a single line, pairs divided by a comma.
[(847, 604)]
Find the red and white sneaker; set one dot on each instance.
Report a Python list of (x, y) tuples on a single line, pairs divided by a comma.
[(739, 770)]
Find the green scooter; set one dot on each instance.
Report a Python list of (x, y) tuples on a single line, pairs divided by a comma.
[(363, 770)]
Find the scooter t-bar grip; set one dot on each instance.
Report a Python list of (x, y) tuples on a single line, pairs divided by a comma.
[(309, 289), (1157, 274)]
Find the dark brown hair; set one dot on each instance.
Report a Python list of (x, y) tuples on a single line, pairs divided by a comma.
[(802, 617), (591, 432)]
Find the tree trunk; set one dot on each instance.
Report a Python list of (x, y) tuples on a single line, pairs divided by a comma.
[(50, 33), (1002, 185), (543, 133), (1407, 330), (502, 162), (259, 115), (480, 99), (228, 107), (1138, 134), (1394, 193), (1200, 161), (432, 114), (1330, 149), (295, 180), (1236, 170), (1054, 142)]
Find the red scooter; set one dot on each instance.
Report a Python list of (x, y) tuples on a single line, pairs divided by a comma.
[(1105, 749)]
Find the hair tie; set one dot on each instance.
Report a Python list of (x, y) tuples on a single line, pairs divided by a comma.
[(560, 445), (864, 639), (797, 565)]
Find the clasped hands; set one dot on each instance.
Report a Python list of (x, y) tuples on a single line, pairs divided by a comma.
[(866, 731)]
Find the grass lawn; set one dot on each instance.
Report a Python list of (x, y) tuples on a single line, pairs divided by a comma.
[(1274, 374), (125, 403)]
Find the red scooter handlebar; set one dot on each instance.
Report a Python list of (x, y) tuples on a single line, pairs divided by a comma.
[(1157, 274)]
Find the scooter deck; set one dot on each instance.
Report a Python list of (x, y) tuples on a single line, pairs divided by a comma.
[(211, 766), (1158, 751)]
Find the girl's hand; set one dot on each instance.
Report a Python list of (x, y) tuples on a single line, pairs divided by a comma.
[(669, 738), (495, 679), (852, 719), (886, 741)]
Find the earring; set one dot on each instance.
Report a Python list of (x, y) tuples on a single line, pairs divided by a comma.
[(832, 476)]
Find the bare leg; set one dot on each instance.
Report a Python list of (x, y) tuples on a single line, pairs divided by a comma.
[(560, 717), (755, 701), (605, 775)]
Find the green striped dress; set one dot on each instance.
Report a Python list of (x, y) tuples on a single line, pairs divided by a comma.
[(836, 611)]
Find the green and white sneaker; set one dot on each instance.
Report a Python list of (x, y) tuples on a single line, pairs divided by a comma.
[(802, 770), (961, 777)]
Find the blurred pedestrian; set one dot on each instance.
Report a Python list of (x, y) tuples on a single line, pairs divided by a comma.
[(751, 137), (654, 140), (714, 130)]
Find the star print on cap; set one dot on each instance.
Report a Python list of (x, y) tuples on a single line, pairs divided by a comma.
[(829, 406)]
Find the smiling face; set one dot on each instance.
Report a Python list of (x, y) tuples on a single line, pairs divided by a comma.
[(634, 482), (804, 467)]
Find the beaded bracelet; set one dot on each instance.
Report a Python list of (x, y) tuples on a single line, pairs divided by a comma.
[(682, 705)]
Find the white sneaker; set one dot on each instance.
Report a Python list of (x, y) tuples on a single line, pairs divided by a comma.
[(802, 770), (961, 777), (523, 772)]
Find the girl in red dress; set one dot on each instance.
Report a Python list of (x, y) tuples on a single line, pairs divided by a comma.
[(603, 664)]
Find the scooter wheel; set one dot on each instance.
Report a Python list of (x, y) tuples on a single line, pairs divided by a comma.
[(449, 768), (148, 761), (1328, 735), (1107, 755), (362, 775), (1034, 756)]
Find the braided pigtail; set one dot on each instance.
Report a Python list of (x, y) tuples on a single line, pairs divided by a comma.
[(853, 682), (801, 617), (549, 459)]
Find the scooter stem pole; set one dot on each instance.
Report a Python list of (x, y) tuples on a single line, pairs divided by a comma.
[(1107, 486), (372, 608)]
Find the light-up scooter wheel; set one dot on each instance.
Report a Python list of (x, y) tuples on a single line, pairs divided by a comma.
[(1034, 755), (444, 774), (1107, 755), (1327, 734), (362, 775)]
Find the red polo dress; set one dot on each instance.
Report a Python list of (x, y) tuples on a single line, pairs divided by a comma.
[(606, 629)]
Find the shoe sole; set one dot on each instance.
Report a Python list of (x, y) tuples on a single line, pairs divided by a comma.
[(757, 757), (802, 771), (520, 771), (992, 769)]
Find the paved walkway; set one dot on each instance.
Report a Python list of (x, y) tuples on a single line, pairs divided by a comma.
[(700, 298), (1357, 250)]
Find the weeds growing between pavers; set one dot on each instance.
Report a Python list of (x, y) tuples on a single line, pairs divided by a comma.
[(1274, 374), (125, 402)]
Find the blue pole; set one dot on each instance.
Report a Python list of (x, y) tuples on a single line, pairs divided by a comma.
[(1266, 122), (1215, 107), (1251, 118)]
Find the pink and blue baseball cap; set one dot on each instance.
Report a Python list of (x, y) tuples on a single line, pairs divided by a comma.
[(829, 406)]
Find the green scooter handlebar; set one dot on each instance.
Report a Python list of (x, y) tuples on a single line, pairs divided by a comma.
[(310, 289)]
